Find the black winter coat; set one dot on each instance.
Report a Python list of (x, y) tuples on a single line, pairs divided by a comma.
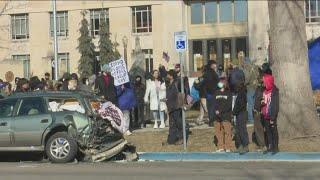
[(139, 91), (223, 104), (274, 104), (211, 81), (241, 102), (172, 91)]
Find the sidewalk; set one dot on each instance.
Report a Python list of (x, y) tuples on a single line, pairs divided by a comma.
[(251, 156)]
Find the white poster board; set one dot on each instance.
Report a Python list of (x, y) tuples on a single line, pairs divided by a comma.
[(119, 72)]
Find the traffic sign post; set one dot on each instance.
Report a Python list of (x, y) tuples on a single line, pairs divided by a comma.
[(180, 40)]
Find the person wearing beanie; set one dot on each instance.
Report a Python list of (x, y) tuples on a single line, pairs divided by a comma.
[(223, 112), (269, 111)]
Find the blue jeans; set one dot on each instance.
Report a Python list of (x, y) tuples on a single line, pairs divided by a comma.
[(250, 105)]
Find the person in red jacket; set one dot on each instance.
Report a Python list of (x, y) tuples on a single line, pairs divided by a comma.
[(269, 111)]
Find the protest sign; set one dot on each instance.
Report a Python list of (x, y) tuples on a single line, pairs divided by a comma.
[(119, 72)]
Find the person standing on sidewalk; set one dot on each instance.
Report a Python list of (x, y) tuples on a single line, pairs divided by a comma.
[(258, 135), (156, 93), (139, 91), (240, 111), (211, 80), (270, 110), (127, 102), (251, 72), (175, 112), (222, 123)]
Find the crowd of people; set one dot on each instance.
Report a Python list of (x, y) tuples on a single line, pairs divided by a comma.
[(231, 96)]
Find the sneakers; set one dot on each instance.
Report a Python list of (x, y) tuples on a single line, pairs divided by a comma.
[(128, 133), (155, 125), (163, 125), (228, 151), (220, 150)]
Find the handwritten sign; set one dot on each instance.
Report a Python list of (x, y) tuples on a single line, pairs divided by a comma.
[(119, 72)]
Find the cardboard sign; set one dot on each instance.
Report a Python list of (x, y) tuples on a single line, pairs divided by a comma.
[(119, 72)]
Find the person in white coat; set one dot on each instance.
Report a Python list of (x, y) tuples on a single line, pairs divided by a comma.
[(156, 96)]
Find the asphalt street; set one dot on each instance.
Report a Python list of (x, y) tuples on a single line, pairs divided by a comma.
[(159, 170)]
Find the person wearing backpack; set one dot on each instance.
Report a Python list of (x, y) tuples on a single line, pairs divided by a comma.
[(270, 110)]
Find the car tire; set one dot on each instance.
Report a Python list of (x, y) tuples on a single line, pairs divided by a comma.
[(61, 148)]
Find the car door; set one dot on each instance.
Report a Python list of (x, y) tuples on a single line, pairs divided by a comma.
[(31, 120), (6, 111)]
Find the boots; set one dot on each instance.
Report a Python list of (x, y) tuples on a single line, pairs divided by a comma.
[(162, 125), (244, 150), (239, 149), (155, 125)]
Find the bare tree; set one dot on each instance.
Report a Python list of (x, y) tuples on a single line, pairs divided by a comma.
[(288, 41)]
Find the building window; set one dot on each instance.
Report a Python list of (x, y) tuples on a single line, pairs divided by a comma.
[(141, 19), (20, 26), (198, 59), (240, 12), (212, 50), (312, 11), (229, 11), (148, 54), (210, 12), (63, 63), (196, 13), (225, 11), (62, 24), (25, 60), (96, 16)]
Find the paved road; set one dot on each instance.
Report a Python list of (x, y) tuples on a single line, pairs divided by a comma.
[(160, 170)]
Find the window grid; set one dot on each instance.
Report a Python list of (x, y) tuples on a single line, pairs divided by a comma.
[(142, 28), (20, 26), (63, 63), (95, 19), (218, 9), (312, 11), (25, 59), (62, 24), (148, 54)]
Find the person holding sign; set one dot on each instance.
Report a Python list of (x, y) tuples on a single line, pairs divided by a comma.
[(105, 85), (156, 96)]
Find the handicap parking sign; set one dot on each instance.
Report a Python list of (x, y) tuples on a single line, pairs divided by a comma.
[(180, 39)]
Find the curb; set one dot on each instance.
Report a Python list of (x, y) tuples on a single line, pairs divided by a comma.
[(229, 157)]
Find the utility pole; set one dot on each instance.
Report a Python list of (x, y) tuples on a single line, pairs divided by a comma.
[(55, 40)]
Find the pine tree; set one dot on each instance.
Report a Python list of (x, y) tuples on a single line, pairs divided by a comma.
[(86, 49), (105, 45)]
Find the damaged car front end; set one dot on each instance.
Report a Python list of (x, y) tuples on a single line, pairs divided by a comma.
[(97, 140)]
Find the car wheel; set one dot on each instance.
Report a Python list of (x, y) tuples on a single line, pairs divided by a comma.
[(61, 148)]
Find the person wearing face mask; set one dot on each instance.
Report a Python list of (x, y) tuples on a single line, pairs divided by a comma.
[(223, 112), (139, 91)]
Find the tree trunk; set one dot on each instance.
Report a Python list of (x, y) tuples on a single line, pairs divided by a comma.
[(297, 116)]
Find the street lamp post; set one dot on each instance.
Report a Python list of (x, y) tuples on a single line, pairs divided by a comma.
[(125, 45), (55, 40)]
